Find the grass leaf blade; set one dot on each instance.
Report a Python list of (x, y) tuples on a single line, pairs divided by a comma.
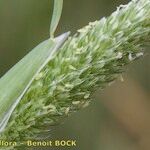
[(58, 5), (16, 81)]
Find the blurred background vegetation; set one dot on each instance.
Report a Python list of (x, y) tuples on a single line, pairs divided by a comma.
[(119, 117)]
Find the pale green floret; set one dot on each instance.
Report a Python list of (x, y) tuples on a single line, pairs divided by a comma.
[(91, 59)]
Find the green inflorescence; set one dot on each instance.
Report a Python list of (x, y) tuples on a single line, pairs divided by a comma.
[(91, 59)]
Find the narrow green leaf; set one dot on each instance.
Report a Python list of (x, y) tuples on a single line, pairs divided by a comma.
[(16, 81), (58, 5)]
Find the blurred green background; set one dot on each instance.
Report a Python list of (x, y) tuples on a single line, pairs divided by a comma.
[(119, 117)]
